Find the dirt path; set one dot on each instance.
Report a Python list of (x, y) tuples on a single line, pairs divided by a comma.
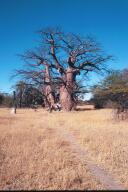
[(104, 177)]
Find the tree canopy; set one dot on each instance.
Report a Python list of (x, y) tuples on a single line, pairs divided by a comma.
[(113, 88)]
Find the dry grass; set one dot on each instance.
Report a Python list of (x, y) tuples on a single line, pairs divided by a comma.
[(104, 139), (33, 156)]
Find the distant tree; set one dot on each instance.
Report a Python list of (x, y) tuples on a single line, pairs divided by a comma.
[(1, 98), (113, 88), (32, 96), (6, 100), (20, 88), (27, 94)]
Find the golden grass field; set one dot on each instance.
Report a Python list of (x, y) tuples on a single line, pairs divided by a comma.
[(34, 154)]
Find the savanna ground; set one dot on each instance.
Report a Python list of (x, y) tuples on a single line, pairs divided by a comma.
[(35, 152)]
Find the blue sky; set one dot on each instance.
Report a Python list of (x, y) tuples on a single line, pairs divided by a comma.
[(107, 20)]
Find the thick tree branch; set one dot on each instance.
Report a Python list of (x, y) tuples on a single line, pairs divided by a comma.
[(57, 64)]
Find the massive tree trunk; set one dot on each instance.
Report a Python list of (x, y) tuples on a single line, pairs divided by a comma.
[(66, 91), (49, 98)]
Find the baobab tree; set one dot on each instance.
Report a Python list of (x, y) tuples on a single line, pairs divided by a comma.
[(63, 58)]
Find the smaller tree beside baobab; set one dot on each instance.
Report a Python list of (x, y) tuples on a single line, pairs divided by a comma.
[(27, 95), (63, 59), (113, 90)]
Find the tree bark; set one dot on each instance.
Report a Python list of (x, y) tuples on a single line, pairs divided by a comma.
[(49, 98), (66, 91)]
